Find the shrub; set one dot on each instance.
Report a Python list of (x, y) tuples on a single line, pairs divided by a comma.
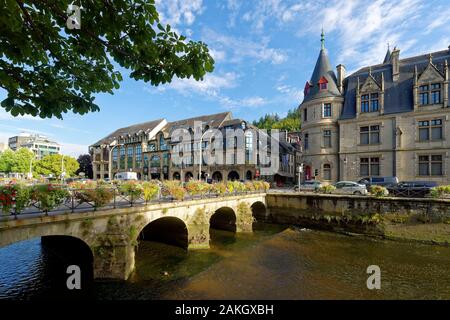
[(326, 189), (220, 188), (17, 194), (132, 189), (195, 187), (249, 186), (150, 190), (440, 192), (173, 189), (49, 196), (379, 191), (239, 186)]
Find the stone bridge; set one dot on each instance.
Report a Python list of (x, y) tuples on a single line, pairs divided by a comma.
[(112, 235)]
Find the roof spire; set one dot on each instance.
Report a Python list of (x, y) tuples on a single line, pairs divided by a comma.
[(387, 58), (322, 39)]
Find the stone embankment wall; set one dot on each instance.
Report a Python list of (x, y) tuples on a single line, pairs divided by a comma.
[(426, 220)]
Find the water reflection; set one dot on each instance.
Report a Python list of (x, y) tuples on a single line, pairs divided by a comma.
[(271, 263)]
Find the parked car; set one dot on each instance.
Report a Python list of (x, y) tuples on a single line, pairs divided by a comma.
[(379, 181), (349, 187), (413, 189), (311, 185)]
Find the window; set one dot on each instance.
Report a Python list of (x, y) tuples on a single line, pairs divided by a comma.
[(306, 141), (323, 86), (365, 103), (155, 162), (162, 143), (430, 165), (114, 158), (151, 147), (369, 167), (369, 135), (305, 115), (374, 104), (436, 93), (122, 157), (145, 160), (370, 103), (138, 155), (130, 157), (430, 130), (423, 95), (327, 138), (327, 172), (327, 110), (248, 147)]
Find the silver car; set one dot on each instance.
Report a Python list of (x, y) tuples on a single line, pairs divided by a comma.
[(349, 187)]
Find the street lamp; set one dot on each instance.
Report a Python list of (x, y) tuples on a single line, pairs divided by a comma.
[(110, 159)]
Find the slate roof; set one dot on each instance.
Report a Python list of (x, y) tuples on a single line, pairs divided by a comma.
[(322, 69), (146, 126), (212, 120), (398, 95)]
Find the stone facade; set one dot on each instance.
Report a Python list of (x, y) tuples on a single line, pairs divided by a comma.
[(385, 120), (147, 149)]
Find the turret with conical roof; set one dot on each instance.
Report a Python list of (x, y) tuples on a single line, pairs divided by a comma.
[(319, 114), (323, 82)]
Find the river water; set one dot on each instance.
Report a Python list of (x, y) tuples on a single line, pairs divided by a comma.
[(274, 262)]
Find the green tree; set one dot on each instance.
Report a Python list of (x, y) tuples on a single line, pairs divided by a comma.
[(273, 121), (51, 164), (85, 163), (7, 159), (48, 69), (22, 160)]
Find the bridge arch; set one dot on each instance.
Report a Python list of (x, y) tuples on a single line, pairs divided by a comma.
[(168, 230), (223, 218), (50, 258), (259, 210)]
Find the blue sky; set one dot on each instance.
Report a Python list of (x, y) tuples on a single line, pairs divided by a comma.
[(265, 51)]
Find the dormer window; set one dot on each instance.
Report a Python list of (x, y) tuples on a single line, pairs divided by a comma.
[(307, 88), (323, 83), (430, 94), (370, 103), (436, 93)]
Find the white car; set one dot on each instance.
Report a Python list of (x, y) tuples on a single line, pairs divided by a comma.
[(349, 187)]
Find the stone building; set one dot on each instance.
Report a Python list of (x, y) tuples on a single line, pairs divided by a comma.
[(148, 150), (390, 119)]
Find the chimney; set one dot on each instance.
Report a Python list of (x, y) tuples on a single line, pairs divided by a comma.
[(395, 57), (340, 77)]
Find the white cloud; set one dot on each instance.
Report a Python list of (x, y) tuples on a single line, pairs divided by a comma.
[(441, 18), (179, 12), (218, 55), (74, 150), (211, 85), (360, 28), (7, 116), (248, 102), (240, 49)]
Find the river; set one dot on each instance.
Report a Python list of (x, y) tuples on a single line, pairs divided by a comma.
[(274, 262)]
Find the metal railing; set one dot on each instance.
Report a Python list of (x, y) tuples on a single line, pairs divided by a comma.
[(76, 202)]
